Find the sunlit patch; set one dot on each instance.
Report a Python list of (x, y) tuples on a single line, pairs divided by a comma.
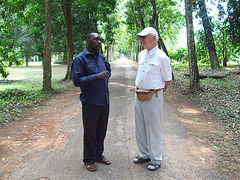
[(205, 149), (113, 84), (190, 111)]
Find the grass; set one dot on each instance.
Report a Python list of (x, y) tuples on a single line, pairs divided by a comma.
[(30, 77), (23, 88)]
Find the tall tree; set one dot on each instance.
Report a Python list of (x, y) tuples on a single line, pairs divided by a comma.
[(193, 68), (208, 35), (10, 13), (161, 14), (67, 9), (154, 23), (47, 69), (34, 19), (109, 26), (233, 22), (135, 14), (135, 9)]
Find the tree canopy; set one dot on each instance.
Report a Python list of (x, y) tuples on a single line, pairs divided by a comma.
[(22, 28)]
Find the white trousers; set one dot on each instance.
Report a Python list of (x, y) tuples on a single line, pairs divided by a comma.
[(148, 127)]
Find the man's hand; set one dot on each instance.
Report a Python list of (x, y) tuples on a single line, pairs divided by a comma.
[(167, 84), (103, 75)]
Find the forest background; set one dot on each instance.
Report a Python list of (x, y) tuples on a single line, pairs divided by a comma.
[(39, 39)]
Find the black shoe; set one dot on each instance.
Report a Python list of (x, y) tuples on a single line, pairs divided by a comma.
[(153, 166), (139, 160)]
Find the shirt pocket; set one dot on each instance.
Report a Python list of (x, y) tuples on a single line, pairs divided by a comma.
[(153, 68), (91, 68)]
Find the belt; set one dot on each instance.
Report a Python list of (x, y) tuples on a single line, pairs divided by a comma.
[(152, 89)]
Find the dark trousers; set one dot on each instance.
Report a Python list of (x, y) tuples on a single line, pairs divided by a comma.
[(95, 120)]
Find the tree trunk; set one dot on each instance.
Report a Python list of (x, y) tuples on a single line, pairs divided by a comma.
[(224, 51), (193, 68), (108, 49), (154, 23), (47, 71), (224, 56), (67, 8), (65, 56), (141, 16), (208, 35), (139, 28), (41, 57), (27, 53), (27, 59)]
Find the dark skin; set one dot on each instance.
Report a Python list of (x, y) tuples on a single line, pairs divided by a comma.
[(93, 45)]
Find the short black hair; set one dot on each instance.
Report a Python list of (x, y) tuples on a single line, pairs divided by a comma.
[(89, 34)]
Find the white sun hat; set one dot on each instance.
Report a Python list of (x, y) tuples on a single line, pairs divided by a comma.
[(146, 31)]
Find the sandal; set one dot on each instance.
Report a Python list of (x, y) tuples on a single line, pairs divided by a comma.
[(153, 166), (91, 167), (104, 161), (139, 160)]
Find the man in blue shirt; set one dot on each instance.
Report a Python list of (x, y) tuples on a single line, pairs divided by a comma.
[(91, 72)]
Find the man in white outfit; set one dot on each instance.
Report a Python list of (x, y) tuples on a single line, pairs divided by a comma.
[(154, 74)]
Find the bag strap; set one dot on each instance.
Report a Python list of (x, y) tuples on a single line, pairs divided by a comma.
[(156, 94)]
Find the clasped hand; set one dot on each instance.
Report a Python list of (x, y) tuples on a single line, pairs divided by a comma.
[(103, 75)]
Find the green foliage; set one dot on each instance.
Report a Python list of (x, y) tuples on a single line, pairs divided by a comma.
[(33, 37), (233, 22), (180, 55), (222, 42), (23, 90), (225, 27), (58, 30), (11, 46), (138, 15), (3, 71), (14, 100), (171, 20), (201, 49), (22, 27), (90, 16), (109, 27)]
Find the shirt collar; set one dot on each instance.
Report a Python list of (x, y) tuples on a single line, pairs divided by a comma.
[(86, 51), (153, 50)]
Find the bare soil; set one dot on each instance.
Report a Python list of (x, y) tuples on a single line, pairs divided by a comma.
[(205, 129), (37, 131)]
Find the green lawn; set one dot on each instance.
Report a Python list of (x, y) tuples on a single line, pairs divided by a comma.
[(30, 78)]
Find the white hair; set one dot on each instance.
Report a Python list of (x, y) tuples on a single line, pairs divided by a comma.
[(155, 35)]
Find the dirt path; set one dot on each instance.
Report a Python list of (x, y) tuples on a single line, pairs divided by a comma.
[(47, 143)]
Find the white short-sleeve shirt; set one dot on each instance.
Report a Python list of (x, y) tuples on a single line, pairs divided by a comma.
[(154, 69)]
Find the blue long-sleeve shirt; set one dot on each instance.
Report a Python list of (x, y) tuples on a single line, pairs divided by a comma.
[(85, 68)]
